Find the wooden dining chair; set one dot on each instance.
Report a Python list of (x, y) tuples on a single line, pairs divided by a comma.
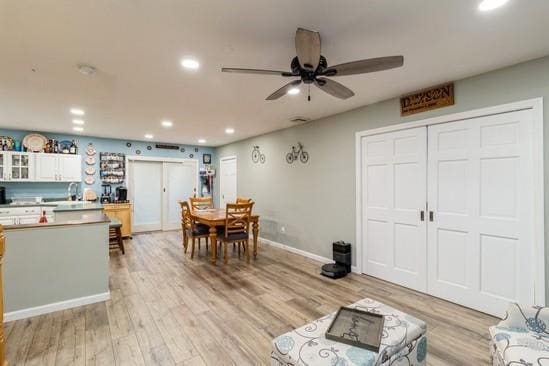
[(201, 203), (192, 229), (237, 227), (243, 200)]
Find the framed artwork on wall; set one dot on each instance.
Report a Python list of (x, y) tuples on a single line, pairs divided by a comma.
[(207, 158)]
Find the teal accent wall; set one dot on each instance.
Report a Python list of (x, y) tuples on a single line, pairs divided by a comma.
[(55, 190)]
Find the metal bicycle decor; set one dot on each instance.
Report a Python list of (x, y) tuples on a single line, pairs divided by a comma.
[(297, 153), (257, 156)]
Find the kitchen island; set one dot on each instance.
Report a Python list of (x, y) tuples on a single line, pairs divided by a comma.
[(56, 265)]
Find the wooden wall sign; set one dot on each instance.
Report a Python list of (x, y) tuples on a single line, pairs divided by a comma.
[(428, 99)]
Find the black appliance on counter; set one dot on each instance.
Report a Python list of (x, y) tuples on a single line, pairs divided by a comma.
[(106, 196), (3, 195), (341, 254), (121, 194)]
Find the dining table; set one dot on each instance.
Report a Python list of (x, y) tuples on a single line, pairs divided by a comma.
[(214, 217)]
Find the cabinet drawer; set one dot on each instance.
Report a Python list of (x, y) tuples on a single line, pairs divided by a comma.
[(19, 211), (29, 219)]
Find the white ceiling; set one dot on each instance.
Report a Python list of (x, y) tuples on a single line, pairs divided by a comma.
[(137, 45)]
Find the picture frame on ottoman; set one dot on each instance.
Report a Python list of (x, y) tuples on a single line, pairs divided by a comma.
[(403, 343)]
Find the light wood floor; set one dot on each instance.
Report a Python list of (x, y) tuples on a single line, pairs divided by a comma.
[(166, 309)]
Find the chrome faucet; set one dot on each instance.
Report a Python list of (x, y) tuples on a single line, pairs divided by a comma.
[(69, 191)]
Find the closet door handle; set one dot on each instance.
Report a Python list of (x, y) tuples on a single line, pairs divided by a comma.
[(422, 215), (431, 216)]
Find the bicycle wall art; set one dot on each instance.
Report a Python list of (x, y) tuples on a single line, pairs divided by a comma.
[(297, 153), (258, 156)]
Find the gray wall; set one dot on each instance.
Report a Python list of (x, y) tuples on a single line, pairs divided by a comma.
[(46, 265), (315, 202)]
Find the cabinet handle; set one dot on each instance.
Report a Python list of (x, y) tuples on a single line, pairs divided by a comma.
[(431, 216)]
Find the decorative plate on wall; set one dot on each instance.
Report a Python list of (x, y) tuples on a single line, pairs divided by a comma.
[(90, 170), (149, 147), (90, 179), (90, 150), (191, 156), (128, 144), (90, 160), (138, 152)]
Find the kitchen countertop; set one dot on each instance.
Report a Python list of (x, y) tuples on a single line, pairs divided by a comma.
[(78, 206), (60, 206), (103, 219)]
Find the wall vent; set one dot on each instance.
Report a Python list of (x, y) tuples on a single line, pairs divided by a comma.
[(299, 119)]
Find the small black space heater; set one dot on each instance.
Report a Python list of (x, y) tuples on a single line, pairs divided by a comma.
[(342, 256)]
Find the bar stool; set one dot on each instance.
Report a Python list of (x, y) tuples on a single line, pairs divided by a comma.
[(115, 235)]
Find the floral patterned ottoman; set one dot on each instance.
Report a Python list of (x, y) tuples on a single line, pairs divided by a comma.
[(404, 343), (522, 337)]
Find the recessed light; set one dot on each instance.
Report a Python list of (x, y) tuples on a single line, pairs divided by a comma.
[(78, 122), (167, 123), (229, 131), (293, 91), (86, 69), (189, 63), (77, 111), (201, 141), (487, 5), (78, 129), (148, 136)]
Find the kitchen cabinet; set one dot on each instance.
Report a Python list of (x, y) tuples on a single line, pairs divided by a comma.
[(58, 168), (123, 212), (16, 166), (24, 215), (8, 220)]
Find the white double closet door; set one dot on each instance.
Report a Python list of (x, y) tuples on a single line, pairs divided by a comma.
[(448, 210), (155, 188)]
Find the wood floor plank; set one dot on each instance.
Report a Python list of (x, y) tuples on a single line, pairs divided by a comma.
[(166, 309)]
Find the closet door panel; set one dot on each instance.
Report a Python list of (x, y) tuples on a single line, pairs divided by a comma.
[(479, 242), (394, 186)]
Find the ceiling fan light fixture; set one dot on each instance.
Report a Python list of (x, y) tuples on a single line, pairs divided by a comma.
[(487, 5), (293, 91)]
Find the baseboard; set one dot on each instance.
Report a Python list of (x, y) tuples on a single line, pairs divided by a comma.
[(303, 253), (56, 306)]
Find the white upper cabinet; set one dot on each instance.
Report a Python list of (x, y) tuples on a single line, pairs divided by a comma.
[(46, 167), (69, 168), (16, 166), (22, 167)]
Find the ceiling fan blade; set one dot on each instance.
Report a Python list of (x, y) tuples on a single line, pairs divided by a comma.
[(307, 46), (334, 88), (364, 66), (282, 91), (256, 71)]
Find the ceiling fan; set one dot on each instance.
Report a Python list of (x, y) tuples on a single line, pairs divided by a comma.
[(312, 68)]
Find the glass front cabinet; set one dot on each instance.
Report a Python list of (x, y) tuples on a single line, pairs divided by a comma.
[(16, 166)]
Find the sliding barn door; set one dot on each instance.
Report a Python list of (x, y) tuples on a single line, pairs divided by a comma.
[(394, 196), (480, 196)]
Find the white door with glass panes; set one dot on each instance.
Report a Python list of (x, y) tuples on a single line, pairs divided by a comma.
[(20, 166), (4, 166)]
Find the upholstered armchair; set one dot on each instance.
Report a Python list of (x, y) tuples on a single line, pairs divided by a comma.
[(522, 337)]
